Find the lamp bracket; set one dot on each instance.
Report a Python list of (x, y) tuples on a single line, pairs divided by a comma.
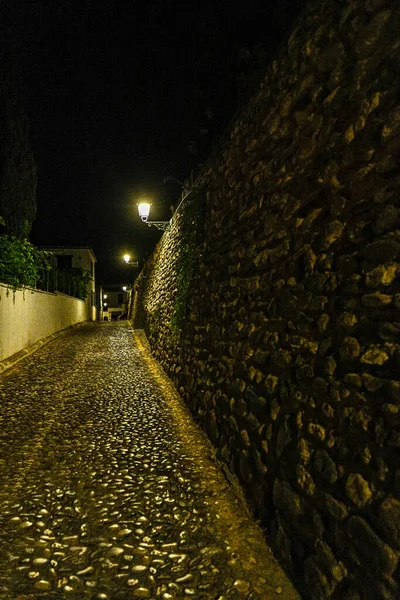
[(132, 263), (161, 225)]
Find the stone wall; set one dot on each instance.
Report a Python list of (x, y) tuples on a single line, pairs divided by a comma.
[(289, 352)]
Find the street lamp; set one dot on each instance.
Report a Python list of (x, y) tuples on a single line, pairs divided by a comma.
[(132, 263), (144, 211)]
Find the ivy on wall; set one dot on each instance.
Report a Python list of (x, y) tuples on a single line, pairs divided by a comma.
[(188, 250)]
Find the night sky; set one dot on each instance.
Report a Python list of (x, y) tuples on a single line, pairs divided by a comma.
[(121, 95)]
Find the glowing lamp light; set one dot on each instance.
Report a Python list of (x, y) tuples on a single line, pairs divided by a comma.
[(105, 304), (124, 288), (105, 296), (132, 263), (144, 211)]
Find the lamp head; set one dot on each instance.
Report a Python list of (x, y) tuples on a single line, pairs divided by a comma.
[(144, 211), (127, 258)]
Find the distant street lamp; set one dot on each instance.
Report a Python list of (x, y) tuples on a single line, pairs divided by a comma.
[(144, 211), (128, 261)]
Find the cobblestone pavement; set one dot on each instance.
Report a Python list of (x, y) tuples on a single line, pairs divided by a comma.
[(108, 490)]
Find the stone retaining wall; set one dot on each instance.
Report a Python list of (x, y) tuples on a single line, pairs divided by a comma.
[(289, 350)]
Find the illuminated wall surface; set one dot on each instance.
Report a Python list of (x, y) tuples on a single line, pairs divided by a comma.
[(276, 307), (27, 316)]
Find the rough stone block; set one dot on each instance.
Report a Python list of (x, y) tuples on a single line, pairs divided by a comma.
[(375, 356), (389, 513), (376, 300), (379, 557), (319, 585), (358, 489), (317, 431), (349, 348), (383, 275), (382, 251), (283, 439), (305, 480), (287, 500), (325, 466), (337, 509)]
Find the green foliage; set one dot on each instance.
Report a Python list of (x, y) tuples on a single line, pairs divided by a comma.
[(82, 280), (21, 263), (73, 282), (188, 248), (185, 270), (24, 265)]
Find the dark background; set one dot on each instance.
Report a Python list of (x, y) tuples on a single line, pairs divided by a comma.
[(121, 95)]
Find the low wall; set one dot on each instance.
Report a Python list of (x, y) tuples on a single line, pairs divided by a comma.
[(27, 316), (278, 315)]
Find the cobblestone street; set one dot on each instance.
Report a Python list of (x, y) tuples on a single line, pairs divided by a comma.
[(107, 488)]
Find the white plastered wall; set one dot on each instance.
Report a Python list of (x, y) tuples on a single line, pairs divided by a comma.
[(27, 316)]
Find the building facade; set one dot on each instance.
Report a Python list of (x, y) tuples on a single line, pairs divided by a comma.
[(76, 261), (114, 299)]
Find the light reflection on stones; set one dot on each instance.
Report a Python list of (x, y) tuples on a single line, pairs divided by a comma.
[(101, 496)]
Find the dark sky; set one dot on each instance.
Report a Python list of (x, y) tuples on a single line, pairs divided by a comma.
[(116, 92)]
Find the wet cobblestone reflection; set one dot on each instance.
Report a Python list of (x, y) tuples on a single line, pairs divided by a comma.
[(107, 489)]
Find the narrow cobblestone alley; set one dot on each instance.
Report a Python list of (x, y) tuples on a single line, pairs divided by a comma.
[(108, 490)]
